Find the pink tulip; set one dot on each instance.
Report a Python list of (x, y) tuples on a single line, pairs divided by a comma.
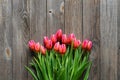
[(45, 40), (31, 44), (37, 47), (64, 39), (89, 45), (48, 45), (76, 43), (84, 44), (59, 34), (53, 39), (62, 49), (43, 50), (71, 38), (56, 46)]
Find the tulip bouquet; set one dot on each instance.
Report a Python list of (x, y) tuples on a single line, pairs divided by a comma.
[(61, 57)]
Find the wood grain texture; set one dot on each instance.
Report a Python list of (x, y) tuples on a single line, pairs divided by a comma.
[(37, 13), (6, 40), (91, 31), (55, 16), (37, 19), (73, 17), (118, 37), (108, 45), (20, 39), (22, 20)]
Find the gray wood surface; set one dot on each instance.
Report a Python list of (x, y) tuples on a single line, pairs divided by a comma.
[(73, 17), (55, 17), (20, 38), (37, 22), (6, 38), (118, 37), (22, 20), (108, 45), (91, 31)]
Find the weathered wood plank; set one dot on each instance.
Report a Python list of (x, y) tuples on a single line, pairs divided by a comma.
[(108, 45), (20, 38), (6, 40), (37, 13), (73, 17), (91, 31), (118, 35), (97, 20), (55, 16)]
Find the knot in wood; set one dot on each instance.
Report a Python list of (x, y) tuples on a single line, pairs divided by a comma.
[(62, 7), (8, 53)]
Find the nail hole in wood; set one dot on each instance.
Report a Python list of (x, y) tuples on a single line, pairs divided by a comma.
[(50, 11)]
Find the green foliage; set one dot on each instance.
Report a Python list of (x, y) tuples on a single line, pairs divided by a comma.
[(73, 65)]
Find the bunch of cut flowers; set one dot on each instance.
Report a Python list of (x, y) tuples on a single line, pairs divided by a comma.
[(62, 57)]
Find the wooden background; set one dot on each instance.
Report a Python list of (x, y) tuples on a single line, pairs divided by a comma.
[(22, 20)]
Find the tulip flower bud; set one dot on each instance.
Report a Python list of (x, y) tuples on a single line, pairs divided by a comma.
[(64, 39), (48, 45), (62, 49), (37, 47), (43, 50), (76, 43), (45, 40), (84, 44), (53, 39), (71, 38), (59, 34), (31, 44), (56, 46), (89, 45)]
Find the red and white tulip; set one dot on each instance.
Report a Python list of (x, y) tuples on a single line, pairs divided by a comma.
[(59, 34), (31, 44), (56, 46), (76, 43), (37, 47), (53, 39), (62, 49)]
